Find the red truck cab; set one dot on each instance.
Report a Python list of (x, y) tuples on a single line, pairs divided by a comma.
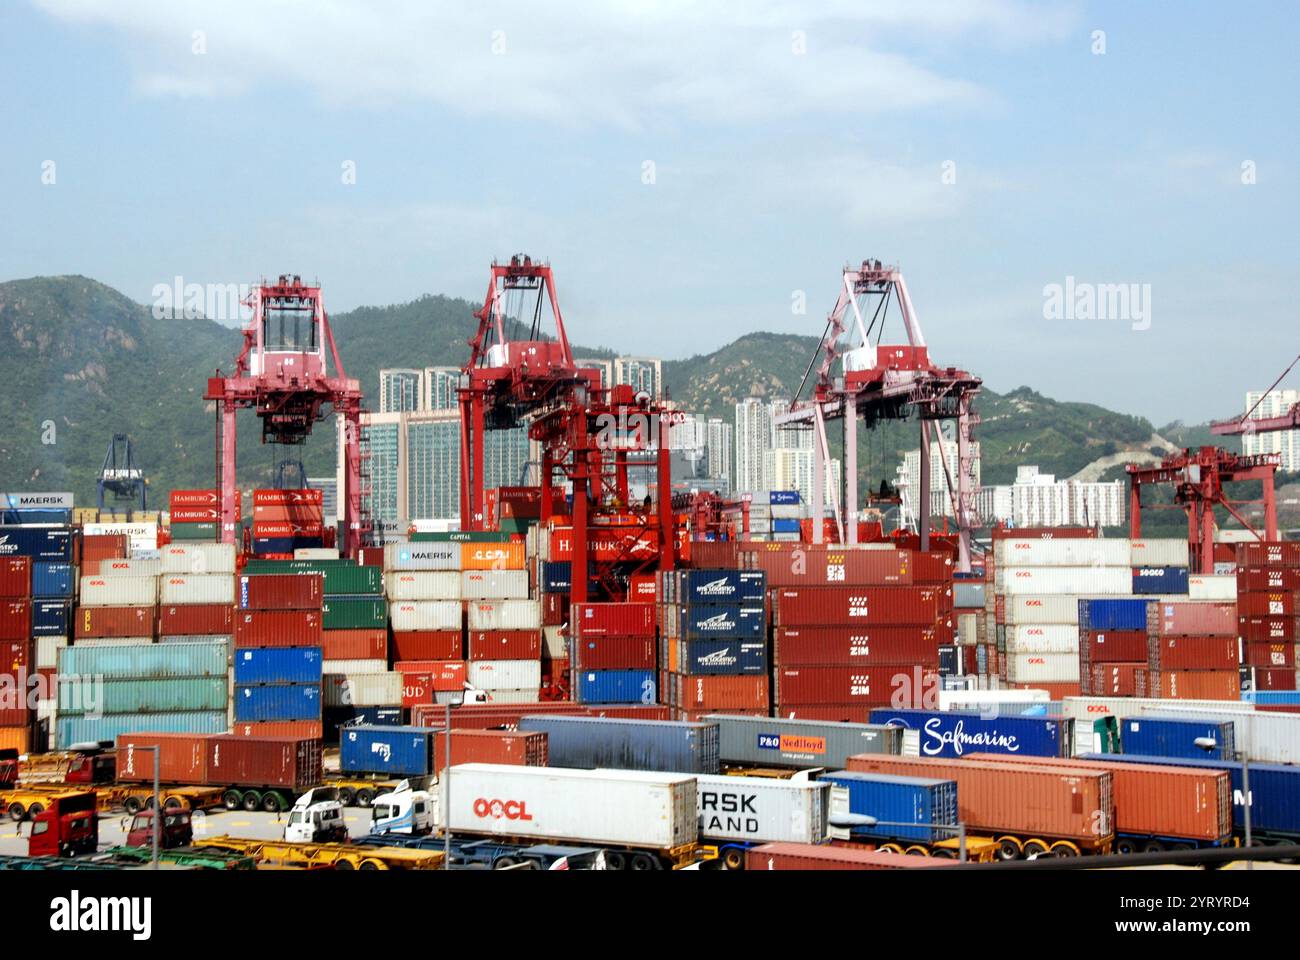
[(177, 830), (67, 827)]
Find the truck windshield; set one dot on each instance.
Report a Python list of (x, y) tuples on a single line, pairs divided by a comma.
[(382, 813)]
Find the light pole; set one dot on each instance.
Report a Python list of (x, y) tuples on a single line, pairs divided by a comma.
[(867, 820), (446, 782), (1209, 744), (157, 803)]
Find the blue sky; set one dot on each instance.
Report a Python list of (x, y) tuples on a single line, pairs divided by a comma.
[(480, 129)]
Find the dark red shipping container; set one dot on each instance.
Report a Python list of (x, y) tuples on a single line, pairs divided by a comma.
[(1113, 646), (831, 712), (196, 619), (1264, 579), (844, 684), (505, 644), (555, 609), (525, 748), (1114, 679), (811, 566), (103, 546), (1275, 554), (281, 591), (421, 678), (354, 644), (854, 606), (613, 620), (16, 717), (15, 577), (291, 729), (613, 653), (1274, 603), (1269, 654), (1275, 678), (278, 628), (1192, 653), (794, 646), (1044, 533), (182, 757), (932, 568), (97, 622), (719, 693), (1268, 629), (427, 645), (15, 620), (714, 554), (288, 762), (1192, 618), (970, 660)]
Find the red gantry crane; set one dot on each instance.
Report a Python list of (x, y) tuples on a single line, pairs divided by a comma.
[(1289, 420), (882, 382), (281, 373)]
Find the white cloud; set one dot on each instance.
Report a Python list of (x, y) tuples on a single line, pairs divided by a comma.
[(622, 63)]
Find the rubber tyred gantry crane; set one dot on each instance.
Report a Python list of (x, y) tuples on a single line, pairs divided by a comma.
[(281, 373)]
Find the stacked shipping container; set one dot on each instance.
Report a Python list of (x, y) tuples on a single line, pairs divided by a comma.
[(278, 657), (1268, 620), (612, 653)]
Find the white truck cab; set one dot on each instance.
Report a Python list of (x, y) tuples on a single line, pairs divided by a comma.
[(317, 817), (404, 810)]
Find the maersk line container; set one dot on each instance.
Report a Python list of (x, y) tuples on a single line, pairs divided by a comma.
[(51, 618), (39, 543), (1170, 552), (777, 742), (278, 665), (1069, 552), (426, 615), (421, 556), (391, 751), (1013, 581), (184, 589), (1173, 737), (690, 587), (90, 695), (604, 742), (652, 811), (1128, 614), (82, 729), (277, 701), (724, 621), (1042, 638), (144, 660), (1037, 608), (494, 585), (955, 733), (119, 591), (924, 804), (614, 686), (762, 809), (53, 579), (1160, 580), (505, 674), (363, 689), (504, 615), (198, 558), (422, 585), (354, 613)]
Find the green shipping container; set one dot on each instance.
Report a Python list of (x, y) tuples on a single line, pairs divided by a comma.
[(518, 525), (190, 532), (83, 695), (343, 578), (462, 536), (355, 613)]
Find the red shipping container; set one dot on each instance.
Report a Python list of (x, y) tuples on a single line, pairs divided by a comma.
[(1192, 653), (1265, 678), (505, 645), (15, 619), (970, 660), (303, 515), (1275, 554), (196, 619), (289, 762), (829, 712), (642, 588), (370, 557), (103, 546), (810, 566), (442, 674), (1193, 619), (281, 591), (715, 554), (195, 515), (526, 748), (16, 716), (810, 646), (1268, 629), (1114, 679), (182, 757), (97, 622), (427, 645), (15, 577), (613, 653), (1267, 604), (1044, 533), (1190, 684), (845, 684), (932, 568), (281, 729), (354, 644), (807, 856), (854, 606), (1265, 579), (301, 496), (1113, 646), (278, 628), (720, 693), (613, 620), (1269, 654), (555, 609), (194, 498), (287, 528)]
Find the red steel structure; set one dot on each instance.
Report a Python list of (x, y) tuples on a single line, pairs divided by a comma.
[(1198, 476), (886, 382), (281, 373), (1290, 420)]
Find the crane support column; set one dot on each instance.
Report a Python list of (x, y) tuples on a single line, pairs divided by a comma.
[(667, 532), (923, 493), (851, 467), (229, 484)]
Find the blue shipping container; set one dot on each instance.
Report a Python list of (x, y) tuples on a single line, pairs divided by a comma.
[(70, 730), (280, 701), (615, 686), (1176, 737), (721, 586), (725, 658), (1159, 579), (51, 618), (263, 545), (785, 525), (948, 661), (907, 800), (723, 621), (39, 543), (952, 734), (394, 751), (36, 515), (662, 745), (53, 579), (1272, 698), (278, 665), (1274, 790), (783, 498), (1113, 614)]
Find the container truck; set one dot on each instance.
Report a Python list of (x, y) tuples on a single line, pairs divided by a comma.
[(68, 826), (177, 830), (738, 812), (317, 817), (403, 810)]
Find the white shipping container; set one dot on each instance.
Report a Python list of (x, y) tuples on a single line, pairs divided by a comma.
[(988, 701), (1043, 667), (422, 585), (554, 644), (119, 591), (508, 697), (1264, 736), (505, 674), (1160, 553), (1091, 708), (315, 553), (1088, 581), (1205, 587), (183, 588), (504, 615), (130, 567), (654, 811), (354, 666), (1062, 553), (1032, 608), (47, 651), (1043, 638), (762, 810), (422, 556), (968, 629), (494, 585), (425, 615), (361, 690), (198, 558)]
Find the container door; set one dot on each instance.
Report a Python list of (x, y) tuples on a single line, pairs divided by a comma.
[(911, 743)]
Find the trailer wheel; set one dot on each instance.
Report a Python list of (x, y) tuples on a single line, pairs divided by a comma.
[(1125, 846), (365, 796), (271, 802), (347, 797), (17, 812), (35, 810), (890, 848), (733, 859), (615, 860), (343, 865), (1009, 848), (943, 853), (1033, 848), (500, 863), (1153, 846), (252, 801), (916, 851), (1064, 848), (232, 799), (172, 804), (643, 861), (369, 865)]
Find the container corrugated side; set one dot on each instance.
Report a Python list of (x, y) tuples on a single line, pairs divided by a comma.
[(129, 591), (604, 742), (290, 762), (955, 733), (1041, 608), (362, 689), (83, 696), (130, 567), (776, 742), (278, 665), (1208, 587), (912, 808), (1264, 736), (422, 585), (504, 615), (393, 751), (144, 660), (1113, 581), (183, 588), (1062, 553), (1043, 637), (1042, 667), (1090, 708), (277, 701), (426, 615), (1169, 552), (494, 585), (183, 758), (505, 674), (761, 809), (198, 558), (422, 556), (81, 729)]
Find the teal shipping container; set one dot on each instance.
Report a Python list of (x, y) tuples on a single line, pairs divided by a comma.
[(70, 730), (80, 695), (140, 661)]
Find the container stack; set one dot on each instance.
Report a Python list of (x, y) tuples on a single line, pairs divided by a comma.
[(1191, 651), (424, 630), (278, 655), (107, 690), (1268, 619), (505, 625), (119, 603), (196, 592), (287, 520), (1159, 567), (968, 656), (553, 595), (1113, 643), (612, 652), (195, 517), (16, 649)]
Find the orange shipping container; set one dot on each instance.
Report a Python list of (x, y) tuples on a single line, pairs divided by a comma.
[(808, 856), (284, 729), (492, 556), (16, 738), (1189, 684)]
